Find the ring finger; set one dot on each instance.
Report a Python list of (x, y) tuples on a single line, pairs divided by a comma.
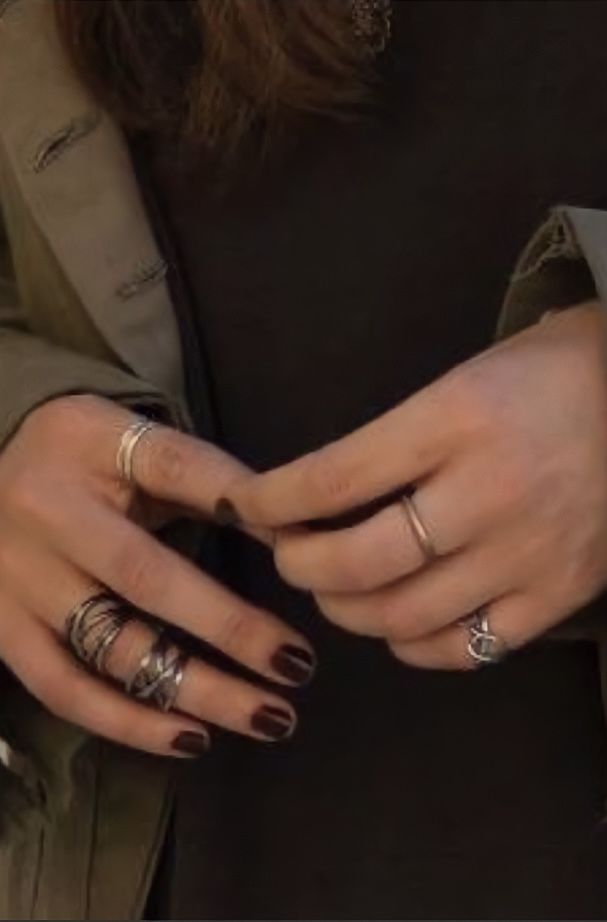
[(205, 693), (385, 546), (426, 601), (515, 619)]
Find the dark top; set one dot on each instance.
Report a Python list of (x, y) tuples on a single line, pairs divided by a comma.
[(354, 269)]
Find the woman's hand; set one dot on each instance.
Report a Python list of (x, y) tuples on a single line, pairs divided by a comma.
[(67, 528), (509, 456)]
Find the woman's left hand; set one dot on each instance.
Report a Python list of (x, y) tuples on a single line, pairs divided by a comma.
[(508, 453)]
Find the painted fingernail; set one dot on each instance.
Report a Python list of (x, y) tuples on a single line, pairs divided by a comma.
[(194, 744), (226, 512), (294, 663), (273, 722)]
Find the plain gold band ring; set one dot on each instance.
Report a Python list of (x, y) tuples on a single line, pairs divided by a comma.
[(419, 529)]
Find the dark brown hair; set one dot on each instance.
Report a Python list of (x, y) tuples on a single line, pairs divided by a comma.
[(213, 69)]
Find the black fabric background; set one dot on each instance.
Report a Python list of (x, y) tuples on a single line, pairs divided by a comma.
[(325, 288)]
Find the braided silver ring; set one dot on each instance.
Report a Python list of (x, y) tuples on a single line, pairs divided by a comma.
[(485, 647), (159, 675)]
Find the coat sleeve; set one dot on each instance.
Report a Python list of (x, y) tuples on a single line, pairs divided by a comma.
[(564, 263), (34, 371)]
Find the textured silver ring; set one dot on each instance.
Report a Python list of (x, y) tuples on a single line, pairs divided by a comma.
[(126, 449), (485, 647), (159, 675)]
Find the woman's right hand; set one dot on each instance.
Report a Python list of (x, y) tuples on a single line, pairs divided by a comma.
[(70, 527)]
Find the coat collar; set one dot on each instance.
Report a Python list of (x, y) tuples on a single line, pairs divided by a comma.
[(75, 173)]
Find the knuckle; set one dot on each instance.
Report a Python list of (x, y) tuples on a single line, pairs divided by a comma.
[(326, 479), (469, 401), (25, 495), (230, 630), (62, 416), (511, 477), (579, 575), (166, 463), (137, 574), (353, 572)]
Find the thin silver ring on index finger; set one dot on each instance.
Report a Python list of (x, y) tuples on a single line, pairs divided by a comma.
[(129, 440)]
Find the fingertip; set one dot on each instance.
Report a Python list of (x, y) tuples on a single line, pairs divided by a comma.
[(274, 723), (226, 513), (191, 743), (294, 664)]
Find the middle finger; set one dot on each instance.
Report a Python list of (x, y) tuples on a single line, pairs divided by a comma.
[(381, 549), (205, 692), (154, 578)]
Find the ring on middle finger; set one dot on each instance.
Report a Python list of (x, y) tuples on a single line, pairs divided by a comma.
[(93, 627)]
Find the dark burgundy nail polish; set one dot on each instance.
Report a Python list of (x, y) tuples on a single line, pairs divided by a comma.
[(195, 744), (226, 512), (294, 663), (273, 722)]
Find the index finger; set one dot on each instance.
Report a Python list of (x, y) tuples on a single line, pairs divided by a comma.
[(405, 444), (168, 465), (119, 555)]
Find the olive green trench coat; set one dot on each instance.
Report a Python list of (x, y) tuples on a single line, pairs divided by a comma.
[(84, 308)]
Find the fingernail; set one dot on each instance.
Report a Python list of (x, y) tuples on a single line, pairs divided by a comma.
[(273, 722), (226, 512), (294, 663), (195, 744)]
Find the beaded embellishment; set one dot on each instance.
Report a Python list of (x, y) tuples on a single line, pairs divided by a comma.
[(372, 23)]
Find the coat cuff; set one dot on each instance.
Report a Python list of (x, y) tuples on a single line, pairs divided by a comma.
[(32, 372), (564, 263)]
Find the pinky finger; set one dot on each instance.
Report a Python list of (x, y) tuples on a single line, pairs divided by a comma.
[(53, 676), (515, 619)]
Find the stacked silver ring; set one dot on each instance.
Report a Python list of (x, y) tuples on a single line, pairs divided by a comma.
[(94, 626), (484, 646), (419, 530), (126, 449), (160, 674)]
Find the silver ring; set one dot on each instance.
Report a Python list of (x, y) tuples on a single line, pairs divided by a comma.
[(126, 449), (93, 627), (159, 675), (419, 529), (484, 645)]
